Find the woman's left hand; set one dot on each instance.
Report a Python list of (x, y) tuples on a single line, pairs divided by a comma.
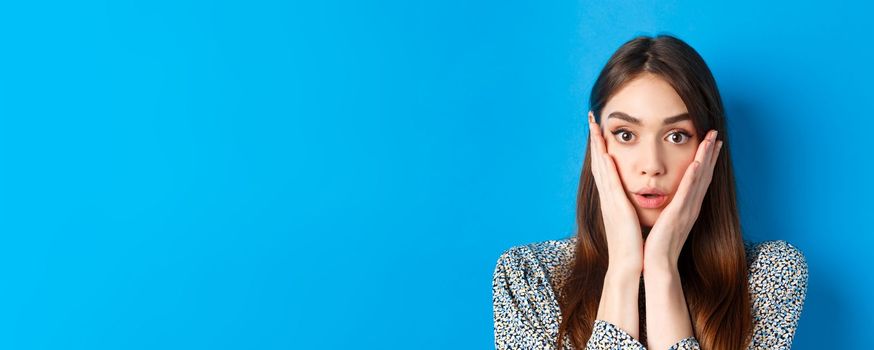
[(669, 233)]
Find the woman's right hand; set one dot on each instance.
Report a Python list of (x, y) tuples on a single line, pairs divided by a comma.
[(624, 237)]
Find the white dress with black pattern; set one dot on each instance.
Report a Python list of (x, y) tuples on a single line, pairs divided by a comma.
[(528, 278)]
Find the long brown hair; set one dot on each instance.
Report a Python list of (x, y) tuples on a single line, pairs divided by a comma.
[(712, 264)]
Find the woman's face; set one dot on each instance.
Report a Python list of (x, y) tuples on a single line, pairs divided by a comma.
[(652, 140)]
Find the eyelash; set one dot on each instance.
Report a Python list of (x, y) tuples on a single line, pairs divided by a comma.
[(677, 131)]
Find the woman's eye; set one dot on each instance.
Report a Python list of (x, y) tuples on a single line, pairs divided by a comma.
[(679, 137), (623, 135)]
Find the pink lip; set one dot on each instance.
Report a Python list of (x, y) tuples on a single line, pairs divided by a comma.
[(650, 203)]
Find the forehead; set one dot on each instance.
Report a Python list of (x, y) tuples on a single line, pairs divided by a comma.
[(648, 98)]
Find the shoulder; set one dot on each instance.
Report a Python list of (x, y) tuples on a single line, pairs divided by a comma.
[(538, 263), (776, 253), (544, 254), (776, 267), (778, 288), (526, 310)]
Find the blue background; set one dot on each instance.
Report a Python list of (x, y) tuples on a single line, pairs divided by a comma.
[(270, 175)]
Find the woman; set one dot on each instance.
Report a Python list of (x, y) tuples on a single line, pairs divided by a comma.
[(658, 257)]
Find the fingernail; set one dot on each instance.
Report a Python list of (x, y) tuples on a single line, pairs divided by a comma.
[(715, 133)]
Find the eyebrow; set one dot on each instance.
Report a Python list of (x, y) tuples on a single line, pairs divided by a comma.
[(669, 120)]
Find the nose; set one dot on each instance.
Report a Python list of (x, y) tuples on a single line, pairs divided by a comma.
[(652, 163)]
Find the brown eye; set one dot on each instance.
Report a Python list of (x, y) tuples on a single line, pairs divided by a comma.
[(623, 135), (678, 137)]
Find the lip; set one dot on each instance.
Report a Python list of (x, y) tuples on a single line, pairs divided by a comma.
[(650, 203), (650, 190)]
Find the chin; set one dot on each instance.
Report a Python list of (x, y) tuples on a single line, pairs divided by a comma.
[(648, 217)]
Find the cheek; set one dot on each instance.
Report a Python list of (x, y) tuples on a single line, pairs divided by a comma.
[(678, 166), (623, 161)]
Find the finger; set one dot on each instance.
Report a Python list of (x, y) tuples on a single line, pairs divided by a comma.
[(609, 170), (693, 169), (705, 176), (597, 146), (687, 181), (614, 182), (716, 151), (608, 175), (691, 185), (593, 149), (707, 173), (606, 162), (592, 135), (595, 131), (702, 155), (713, 155), (595, 155)]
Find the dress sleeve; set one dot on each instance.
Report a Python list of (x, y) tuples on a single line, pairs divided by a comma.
[(606, 335), (526, 312), (689, 343), (778, 286)]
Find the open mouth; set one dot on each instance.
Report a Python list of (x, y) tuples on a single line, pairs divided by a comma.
[(650, 200)]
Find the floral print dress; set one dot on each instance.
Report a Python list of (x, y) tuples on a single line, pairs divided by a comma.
[(528, 279)]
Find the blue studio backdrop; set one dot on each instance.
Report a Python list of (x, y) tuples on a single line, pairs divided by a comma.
[(340, 174)]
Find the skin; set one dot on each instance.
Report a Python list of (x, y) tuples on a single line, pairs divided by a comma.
[(644, 241)]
